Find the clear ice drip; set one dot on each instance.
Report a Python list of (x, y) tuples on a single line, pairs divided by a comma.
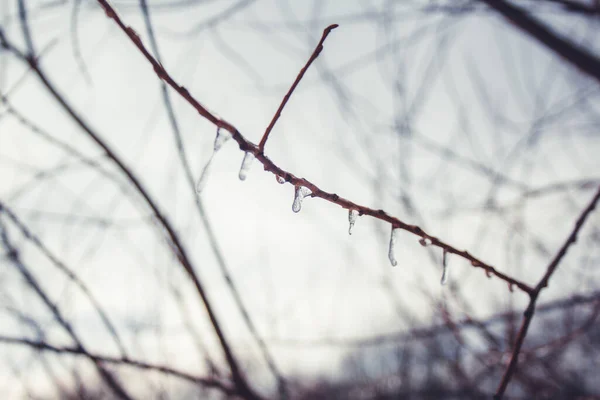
[(223, 135), (301, 193), (280, 180), (391, 252), (352, 214), (246, 162)]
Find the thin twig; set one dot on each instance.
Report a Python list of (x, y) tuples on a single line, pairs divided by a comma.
[(570, 52), (432, 330), (177, 246), (530, 310), (313, 57), (203, 215), (42, 345), (29, 235), (34, 284)]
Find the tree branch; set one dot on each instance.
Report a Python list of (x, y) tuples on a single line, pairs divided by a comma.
[(247, 146), (530, 310), (587, 63)]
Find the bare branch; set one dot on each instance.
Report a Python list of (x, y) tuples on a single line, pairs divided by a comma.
[(123, 361), (247, 146), (313, 57), (570, 52), (528, 315)]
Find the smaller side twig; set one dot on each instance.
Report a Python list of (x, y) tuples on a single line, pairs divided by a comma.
[(286, 98)]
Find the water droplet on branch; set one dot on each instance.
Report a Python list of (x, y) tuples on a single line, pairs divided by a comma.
[(246, 162), (352, 214), (301, 193), (223, 135), (391, 251), (280, 179), (444, 267)]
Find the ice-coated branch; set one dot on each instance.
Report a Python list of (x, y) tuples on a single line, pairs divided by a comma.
[(268, 165)]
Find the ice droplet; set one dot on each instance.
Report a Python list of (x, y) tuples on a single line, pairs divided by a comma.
[(223, 135), (444, 267), (391, 252), (301, 193), (246, 162), (425, 241), (352, 214), (280, 179)]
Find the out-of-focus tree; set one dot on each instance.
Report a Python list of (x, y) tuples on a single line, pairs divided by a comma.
[(135, 264)]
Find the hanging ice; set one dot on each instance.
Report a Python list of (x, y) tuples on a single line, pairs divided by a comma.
[(391, 252), (444, 267), (280, 179), (223, 135), (425, 241), (246, 162), (352, 214), (301, 193)]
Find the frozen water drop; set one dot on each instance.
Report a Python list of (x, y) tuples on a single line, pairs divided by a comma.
[(280, 179), (444, 267), (425, 241), (223, 135), (352, 214), (391, 251), (301, 193), (246, 162), (488, 272)]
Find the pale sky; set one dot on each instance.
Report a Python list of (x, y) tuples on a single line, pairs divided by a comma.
[(301, 276)]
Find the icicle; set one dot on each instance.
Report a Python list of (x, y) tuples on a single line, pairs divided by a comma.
[(352, 214), (280, 179), (246, 162), (425, 241), (391, 252), (444, 267), (301, 193), (223, 135), (488, 272), (511, 287)]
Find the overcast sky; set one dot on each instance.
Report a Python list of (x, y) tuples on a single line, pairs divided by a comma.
[(469, 84)]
